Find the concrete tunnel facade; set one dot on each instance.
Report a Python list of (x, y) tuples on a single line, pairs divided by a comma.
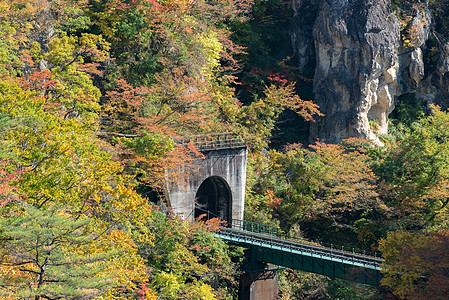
[(217, 185)]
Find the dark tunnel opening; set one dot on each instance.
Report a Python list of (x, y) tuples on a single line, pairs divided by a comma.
[(214, 199)]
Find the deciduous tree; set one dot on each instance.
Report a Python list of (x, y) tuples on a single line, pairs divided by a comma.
[(416, 264)]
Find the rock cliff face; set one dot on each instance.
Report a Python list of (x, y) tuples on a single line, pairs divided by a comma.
[(435, 88), (361, 63)]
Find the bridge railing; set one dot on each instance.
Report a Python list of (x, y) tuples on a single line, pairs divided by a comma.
[(216, 141), (255, 227), (272, 231)]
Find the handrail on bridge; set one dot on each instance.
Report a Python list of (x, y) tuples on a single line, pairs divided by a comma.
[(214, 141), (252, 233), (255, 227)]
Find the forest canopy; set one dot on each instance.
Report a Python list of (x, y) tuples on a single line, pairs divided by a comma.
[(94, 95)]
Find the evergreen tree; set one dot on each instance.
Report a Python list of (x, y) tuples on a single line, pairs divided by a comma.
[(47, 254)]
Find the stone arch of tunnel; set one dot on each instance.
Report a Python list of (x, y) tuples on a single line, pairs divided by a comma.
[(214, 198), (218, 169)]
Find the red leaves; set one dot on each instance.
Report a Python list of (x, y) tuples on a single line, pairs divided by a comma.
[(272, 201), (8, 192), (41, 81), (154, 3)]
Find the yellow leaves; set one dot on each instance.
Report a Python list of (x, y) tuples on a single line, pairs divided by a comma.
[(65, 162), (202, 291), (149, 295), (184, 261), (183, 5), (107, 22), (65, 50), (128, 266), (61, 50), (36, 51), (128, 204), (94, 46), (213, 49), (5, 6), (11, 272), (169, 284), (16, 101), (410, 38)]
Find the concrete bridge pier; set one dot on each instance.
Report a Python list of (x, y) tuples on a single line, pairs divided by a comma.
[(260, 280), (261, 285)]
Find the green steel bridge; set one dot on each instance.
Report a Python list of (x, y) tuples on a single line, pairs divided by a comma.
[(267, 246)]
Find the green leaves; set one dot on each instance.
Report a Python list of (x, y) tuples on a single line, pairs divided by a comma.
[(50, 250), (259, 118), (415, 170)]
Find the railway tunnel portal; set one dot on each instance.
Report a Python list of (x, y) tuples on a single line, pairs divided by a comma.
[(217, 187)]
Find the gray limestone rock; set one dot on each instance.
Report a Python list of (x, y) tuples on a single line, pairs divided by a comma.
[(362, 66)]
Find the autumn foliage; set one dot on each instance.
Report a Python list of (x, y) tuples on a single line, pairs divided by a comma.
[(416, 265), (93, 94), (96, 98)]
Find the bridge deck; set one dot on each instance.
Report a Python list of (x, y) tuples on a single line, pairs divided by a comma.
[(270, 248)]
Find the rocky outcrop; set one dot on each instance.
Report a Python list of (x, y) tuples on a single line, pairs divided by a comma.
[(434, 89), (362, 63)]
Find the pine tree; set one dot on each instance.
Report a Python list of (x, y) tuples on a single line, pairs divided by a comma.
[(46, 254)]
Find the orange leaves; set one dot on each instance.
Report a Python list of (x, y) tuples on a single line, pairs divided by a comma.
[(44, 82), (176, 105), (349, 181), (285, 97), (169, 167), (411, 38), (273, 202), (182, 102), (217, 10), (211, 225)]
